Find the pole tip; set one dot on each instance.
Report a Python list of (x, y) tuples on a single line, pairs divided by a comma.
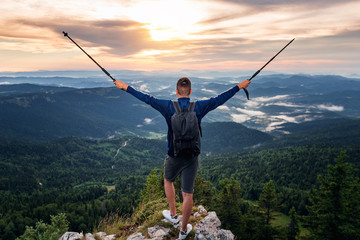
[(65, 34)]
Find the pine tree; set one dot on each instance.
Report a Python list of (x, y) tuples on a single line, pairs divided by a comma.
[(293, 228), (204, 193), (153, 188), (228, 202), (258, 220), (268, 201), (335, 210)]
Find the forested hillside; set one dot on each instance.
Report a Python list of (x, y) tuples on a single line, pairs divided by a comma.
[(89, 152), (72, 175), (341, 131), (294, 170), (277, 101), (230, 137), (87, 179), (96, 113)]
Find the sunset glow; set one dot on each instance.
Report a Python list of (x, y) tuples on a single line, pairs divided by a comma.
[(166, 20), (181, 34)]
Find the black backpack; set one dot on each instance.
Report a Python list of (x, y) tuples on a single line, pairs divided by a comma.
[(186, 131)]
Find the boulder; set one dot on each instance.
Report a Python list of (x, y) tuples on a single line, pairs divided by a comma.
[(89, 236), (209, 229), (158, 232), (137, 236), (71, 236), (225, 234), (202, 209), (101, 234), (110, 237)]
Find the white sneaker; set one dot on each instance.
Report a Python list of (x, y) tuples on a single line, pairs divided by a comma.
[(172, 219), (183, 235)]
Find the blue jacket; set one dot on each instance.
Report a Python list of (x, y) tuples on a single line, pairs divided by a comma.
[(166, 108)]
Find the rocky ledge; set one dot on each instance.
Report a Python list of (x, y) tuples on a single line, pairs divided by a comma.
[(207, 227), (88, 236)]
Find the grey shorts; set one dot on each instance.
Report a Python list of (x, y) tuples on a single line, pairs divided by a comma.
[(187, 167)]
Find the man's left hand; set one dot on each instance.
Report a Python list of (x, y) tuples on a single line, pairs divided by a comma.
[(244, 84)]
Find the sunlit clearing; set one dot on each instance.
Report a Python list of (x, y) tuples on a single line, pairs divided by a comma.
[(166, 19)]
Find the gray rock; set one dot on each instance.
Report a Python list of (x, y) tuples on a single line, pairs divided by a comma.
[(137, 236), (210, 223), (202, 209), (89, 236), (158, 232), (209, 229), (196, 215), (225, 235), (71, 236), (110, 237), (104, 236), (199, 236)]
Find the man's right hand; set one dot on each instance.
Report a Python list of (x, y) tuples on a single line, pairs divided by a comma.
[(121, 85)]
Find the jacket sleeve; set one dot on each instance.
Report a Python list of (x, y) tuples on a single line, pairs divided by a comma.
[(205, 106), (159, 104)]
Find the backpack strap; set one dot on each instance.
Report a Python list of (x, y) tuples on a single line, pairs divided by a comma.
[(192, 109), (176, 106)]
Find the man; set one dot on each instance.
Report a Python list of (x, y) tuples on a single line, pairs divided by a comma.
[(173, 165)]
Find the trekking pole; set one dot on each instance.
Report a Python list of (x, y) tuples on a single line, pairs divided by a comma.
[(103, 69), (258, 71)]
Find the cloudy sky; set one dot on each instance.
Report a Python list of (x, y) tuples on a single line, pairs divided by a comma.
[(181, 34)]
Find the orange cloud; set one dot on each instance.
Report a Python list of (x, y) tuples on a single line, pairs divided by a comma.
[(226, 34)]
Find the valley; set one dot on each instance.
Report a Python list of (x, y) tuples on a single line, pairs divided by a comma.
[(64, 141)]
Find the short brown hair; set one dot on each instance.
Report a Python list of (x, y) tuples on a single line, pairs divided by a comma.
[(183, 86)]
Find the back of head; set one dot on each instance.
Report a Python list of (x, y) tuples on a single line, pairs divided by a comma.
[(184, 86)]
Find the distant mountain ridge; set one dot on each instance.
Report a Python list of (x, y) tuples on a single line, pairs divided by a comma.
[(40, 112), (339, 131), (27, 88), (96, 113), (275, 99), (45, 113)]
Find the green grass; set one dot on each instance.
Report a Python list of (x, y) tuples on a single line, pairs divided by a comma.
[(281, 220), (155, 135), (88, 184)]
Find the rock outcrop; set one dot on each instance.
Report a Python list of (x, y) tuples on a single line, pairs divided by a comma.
[(88, 236), (207, 227)]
